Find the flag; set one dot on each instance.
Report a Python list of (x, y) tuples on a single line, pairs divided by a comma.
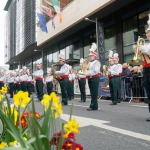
[(48, 11), (42, 22), (56, 5)]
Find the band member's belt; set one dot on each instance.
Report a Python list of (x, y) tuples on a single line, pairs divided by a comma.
[(110, 76), (97, 75), (25, 81), (120, 74), (17, 82), (71, 80), (1, 82), (39, 79), (145, 64), (82, 78), (49, 82), (64, 76)]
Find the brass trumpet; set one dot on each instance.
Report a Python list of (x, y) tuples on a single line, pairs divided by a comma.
[(53, 69), (137, 57), (84, 66), (105, 69)]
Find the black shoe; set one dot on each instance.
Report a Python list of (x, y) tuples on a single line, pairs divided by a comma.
[(90, 109), (119, 102), (80, 101), (148, 119), (113, 104), (64, 104)]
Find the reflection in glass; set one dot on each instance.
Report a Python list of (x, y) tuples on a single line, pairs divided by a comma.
[(87, 44), (55, 57), (110, 39), (130, 35), (76, 50)]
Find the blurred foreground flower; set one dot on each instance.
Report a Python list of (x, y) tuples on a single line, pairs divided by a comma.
[(71, 126), (54, 102), (21, 99), (4, 90), (24, 128)]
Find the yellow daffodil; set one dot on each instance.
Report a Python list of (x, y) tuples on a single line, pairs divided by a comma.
[(21, 99), (46, 100), (56, 107), (13, 143), (54, 98), (4, 90), (71, 126), (1, 97), (3, 145)]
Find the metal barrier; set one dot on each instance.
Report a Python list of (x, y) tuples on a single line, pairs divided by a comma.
[(133, 88)]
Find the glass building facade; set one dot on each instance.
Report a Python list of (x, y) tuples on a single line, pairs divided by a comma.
[(20, 30), (121, 30)]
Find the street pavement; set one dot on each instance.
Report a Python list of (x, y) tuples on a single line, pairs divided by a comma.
[(118, 127)]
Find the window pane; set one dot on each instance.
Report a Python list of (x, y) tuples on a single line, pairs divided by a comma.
[(55, 57), (68, 52), (49, 60), (130, 31), (76, 50), (87, 44), (143, 17), (110, 39)]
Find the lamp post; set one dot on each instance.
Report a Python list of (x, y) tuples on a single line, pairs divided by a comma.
[(96, 23)]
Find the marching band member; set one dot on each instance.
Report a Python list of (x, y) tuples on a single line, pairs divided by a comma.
[(49, 81), (113, 74), (2, 79), (71, 83), (118, 78), (24, 78), (11, 84), (29, 84), (111, 80), (38, 75), (82, 83), (93, 75), (63, 74), (17, 82), (145, 50)]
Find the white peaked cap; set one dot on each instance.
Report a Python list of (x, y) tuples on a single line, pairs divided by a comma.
[(49, 70), (62, 56), (81, 60), (148, 22), (93, 49), (39, 62), (24, 67), (116, 55), (110, 53), (70, 67), (14, 73)]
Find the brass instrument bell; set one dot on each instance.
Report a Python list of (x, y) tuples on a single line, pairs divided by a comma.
[(137, 57)]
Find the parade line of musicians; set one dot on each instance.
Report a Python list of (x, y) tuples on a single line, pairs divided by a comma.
[(90, 71)]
